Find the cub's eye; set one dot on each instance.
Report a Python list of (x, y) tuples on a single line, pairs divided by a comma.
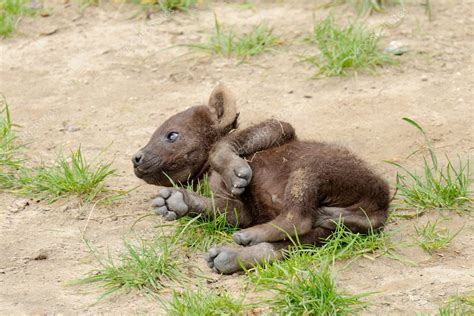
[(172, 136)]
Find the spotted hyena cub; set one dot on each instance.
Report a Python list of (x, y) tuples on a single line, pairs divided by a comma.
[(278, 185)]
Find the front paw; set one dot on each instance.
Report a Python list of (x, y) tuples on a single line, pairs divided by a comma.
[(170, 203), (237, 176), (246, 237)]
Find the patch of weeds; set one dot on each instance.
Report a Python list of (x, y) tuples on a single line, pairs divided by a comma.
[(439, 186), (175, 5), (342, 244), (432, 239), (345, 48), (364, 7), (145, 265), (202, 302), (460, 305), (203, 232), (311, 293), (68, 175), (11, 12), (168, 5), (259, 40), (8, 146)]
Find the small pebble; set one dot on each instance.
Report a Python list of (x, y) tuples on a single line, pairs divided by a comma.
[(396, 48)]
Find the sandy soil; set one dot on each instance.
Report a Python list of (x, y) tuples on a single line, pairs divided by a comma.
[(103, 79)]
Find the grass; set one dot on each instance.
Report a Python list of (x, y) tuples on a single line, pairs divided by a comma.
[(345, 48), (311, 293), (8, 145), (460, 305), (163, 5), (67, 175), (146, 266), (203, 302), (168, 5), (203, 232), (11, 12), (439, 186), (368, 6), (71, 174), (432, 239), (230, 44), (341, 245)]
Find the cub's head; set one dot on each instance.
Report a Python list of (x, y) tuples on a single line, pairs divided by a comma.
[(179, 148)]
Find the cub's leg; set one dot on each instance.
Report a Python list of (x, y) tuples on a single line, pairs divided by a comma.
[(226, 156), (230, 259), (295, 217), (173, 203), (286, 224), (358, 218)]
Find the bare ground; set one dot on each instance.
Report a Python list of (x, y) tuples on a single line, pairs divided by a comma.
[(101, 79)]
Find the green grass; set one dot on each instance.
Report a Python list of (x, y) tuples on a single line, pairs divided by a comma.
[(230, 44), (438, 186), (368, 6), (145, 265), (432, 239), (67, 175), (203, 232), (11, 12), (168, 5), (202, 302), (8, 145), (341, 245), (460, 305), (345, 48), (311, 292), (71, 174)]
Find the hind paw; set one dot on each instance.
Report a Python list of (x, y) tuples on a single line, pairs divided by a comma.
[(238, 176), (223, 260)]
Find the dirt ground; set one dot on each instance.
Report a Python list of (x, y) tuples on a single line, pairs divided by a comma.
[(104, 79)]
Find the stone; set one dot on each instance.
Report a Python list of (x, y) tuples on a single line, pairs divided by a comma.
[(396, 48)]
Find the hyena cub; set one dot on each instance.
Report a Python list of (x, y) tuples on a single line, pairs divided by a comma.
[(278, 185)]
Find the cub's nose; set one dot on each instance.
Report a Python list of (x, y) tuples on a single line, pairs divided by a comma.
[(138, 158)]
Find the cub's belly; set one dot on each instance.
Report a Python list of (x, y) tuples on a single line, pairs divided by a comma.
[(268, 185)]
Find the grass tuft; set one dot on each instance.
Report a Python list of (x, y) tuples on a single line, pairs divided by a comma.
[(203, 232), (146, 265), (432, 239), (364, 7), (11, 12), (460, 305), (68, 175), (311, 293), (202, 302), (259, 40), (342, 244), (439, 186), (8, 146), (345, 48)]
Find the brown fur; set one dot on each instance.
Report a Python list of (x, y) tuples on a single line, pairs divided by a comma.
[(279, 185)]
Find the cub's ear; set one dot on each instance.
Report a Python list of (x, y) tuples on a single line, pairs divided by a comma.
[(223, 105)]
